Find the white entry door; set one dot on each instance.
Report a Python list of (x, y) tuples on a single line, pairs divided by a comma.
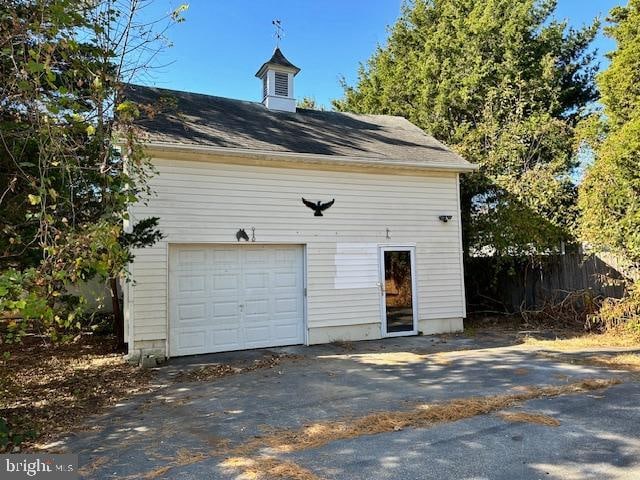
[(235, 297)]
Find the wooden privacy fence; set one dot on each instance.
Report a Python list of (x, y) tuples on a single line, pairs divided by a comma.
[(526, 283)]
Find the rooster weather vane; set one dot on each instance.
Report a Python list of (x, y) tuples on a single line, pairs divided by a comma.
[(279, 31), (318, 207)]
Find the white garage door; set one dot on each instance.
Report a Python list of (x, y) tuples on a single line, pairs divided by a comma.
[(231, 297)]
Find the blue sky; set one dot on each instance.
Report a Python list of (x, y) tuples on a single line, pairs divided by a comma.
[(223, 42)]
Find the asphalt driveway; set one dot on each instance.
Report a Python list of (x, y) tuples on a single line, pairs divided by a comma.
[(213, 429)]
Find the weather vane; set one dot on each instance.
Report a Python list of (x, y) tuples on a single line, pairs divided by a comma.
[(279, 34)]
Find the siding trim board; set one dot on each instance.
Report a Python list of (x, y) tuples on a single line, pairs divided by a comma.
[(212, 212)]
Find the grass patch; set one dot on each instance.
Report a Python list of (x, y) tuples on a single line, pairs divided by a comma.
[(621, 361), (586, 341), (625, 361), (530, 417), (48, 389), (470, 331)]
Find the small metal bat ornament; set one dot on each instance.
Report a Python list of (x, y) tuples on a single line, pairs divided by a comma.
[(318, 207), (240, 234)]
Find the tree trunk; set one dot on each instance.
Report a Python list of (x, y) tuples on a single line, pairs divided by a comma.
[(118, 316)]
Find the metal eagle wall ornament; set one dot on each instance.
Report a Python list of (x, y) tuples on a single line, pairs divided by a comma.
[(318, 207)]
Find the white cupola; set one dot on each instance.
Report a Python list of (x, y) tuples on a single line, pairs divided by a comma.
[(277, 83)]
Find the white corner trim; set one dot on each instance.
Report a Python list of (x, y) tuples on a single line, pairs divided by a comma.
[(310, 158)]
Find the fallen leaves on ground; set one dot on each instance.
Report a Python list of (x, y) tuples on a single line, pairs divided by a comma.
[(207, 373), (267, 467), (344, 344), (321, 433), (249, 460), (393, 359), (246, 458), (183, 457), (221, 370), (530, 417), (94, 465), (47, 389)]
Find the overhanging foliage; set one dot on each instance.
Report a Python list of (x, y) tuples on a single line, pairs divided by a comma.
[(504, 84)]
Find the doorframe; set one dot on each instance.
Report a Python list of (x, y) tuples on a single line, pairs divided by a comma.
[(414, 293)]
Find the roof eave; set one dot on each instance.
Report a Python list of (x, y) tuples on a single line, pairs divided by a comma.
[(310, 158), (275, 66)]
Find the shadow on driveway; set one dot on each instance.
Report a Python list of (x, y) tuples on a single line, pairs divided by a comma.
[(190, 425)]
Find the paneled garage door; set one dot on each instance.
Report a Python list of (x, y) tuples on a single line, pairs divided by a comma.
[(229, 297)]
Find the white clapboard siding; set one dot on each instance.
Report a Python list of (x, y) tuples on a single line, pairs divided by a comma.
[(202, 202)]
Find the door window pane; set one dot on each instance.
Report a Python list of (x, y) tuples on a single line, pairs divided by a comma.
[(398, 291)]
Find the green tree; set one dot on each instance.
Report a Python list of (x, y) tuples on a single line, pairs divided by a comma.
[(309, 103), (610, 191), (503, 84), (609, 198), (70, 160)]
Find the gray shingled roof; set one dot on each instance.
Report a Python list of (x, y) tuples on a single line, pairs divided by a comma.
[(277, 59), (191, 119)]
